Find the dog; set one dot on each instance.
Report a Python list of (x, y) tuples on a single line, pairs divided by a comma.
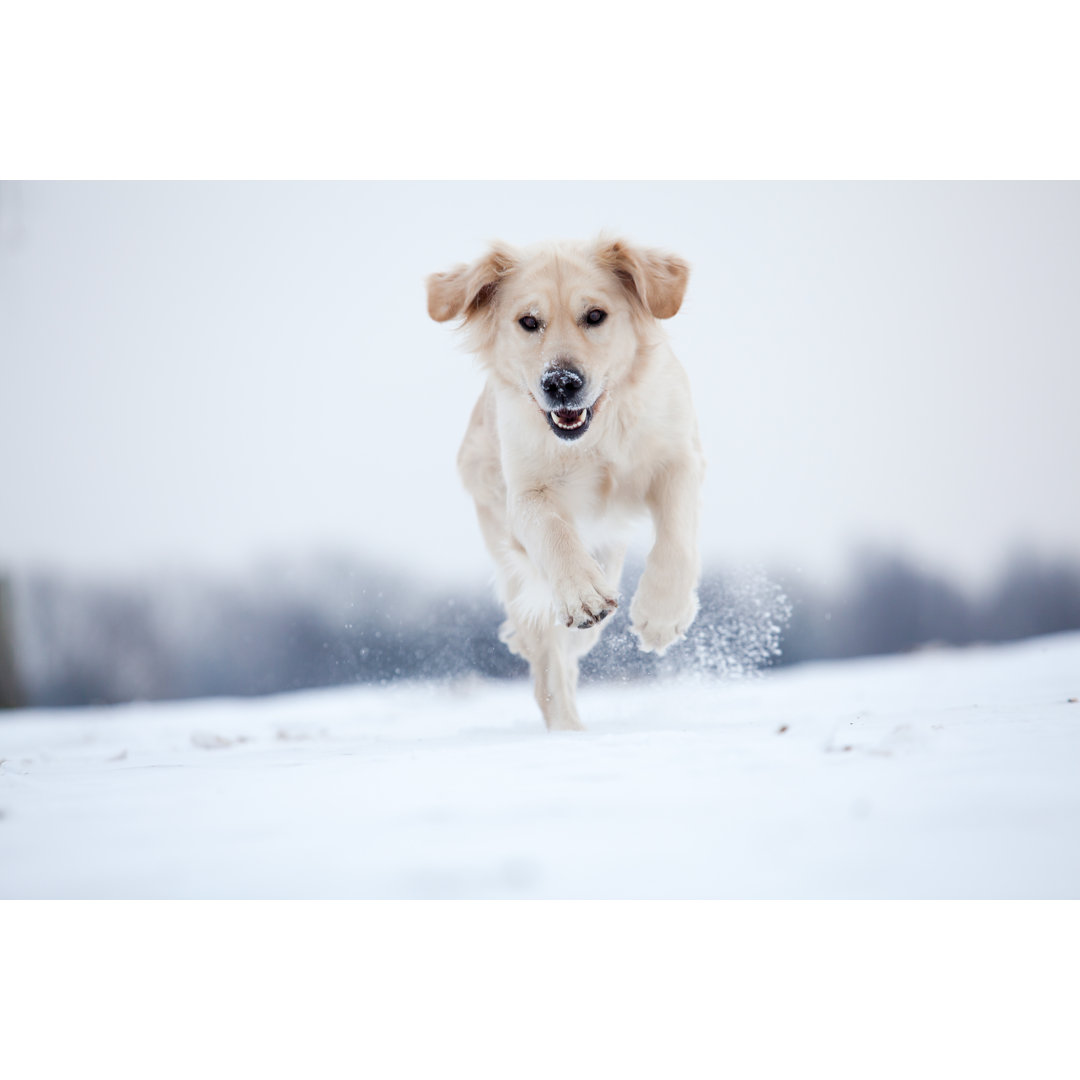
[(585, 422)]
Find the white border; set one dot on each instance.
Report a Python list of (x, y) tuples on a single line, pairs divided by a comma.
[(239, 90), (535, 989)]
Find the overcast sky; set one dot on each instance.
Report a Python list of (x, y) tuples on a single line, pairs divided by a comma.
[(204, 375)]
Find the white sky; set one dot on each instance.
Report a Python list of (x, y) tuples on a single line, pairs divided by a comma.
[(206, 374)]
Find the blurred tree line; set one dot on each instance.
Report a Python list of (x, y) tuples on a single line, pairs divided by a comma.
[(891, 605), (72, 642)]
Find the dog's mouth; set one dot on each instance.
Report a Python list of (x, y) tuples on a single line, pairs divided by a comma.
[(569, 423)]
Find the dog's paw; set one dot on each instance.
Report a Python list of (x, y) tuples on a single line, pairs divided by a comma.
[(508, 635), (585, 602), (659, 621), (564, 722)]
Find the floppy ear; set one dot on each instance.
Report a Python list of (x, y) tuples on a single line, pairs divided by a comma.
[(654, 279), (468, 289)]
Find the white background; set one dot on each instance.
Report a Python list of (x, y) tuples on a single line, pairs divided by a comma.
[(206, 374)]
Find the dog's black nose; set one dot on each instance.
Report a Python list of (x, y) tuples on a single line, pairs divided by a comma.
[(562, 384)]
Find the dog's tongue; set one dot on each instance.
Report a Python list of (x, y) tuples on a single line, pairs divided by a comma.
[(568, 416)]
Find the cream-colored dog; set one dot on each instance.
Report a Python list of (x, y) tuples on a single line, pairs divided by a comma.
[(585, 421)]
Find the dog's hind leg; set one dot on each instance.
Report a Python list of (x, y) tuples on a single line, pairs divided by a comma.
[(504, 551), (553, 667), (554, 673)]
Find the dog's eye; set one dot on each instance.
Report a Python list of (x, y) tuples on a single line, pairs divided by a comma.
[(530, 323), (595, 317)]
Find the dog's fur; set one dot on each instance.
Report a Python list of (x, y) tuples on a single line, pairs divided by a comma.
[(585, 421)]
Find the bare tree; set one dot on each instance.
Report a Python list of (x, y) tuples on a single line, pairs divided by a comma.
[(11, 696)]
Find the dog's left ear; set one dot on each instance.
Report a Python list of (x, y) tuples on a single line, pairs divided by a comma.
[(468, 289), (654, 279)]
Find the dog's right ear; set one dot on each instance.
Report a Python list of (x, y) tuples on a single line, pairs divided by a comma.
[(469, 289)]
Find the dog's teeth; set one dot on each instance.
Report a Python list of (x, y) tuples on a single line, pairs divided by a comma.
[(571, 425)]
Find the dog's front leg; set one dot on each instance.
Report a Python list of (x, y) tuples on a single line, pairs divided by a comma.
[(666, 600), (581, 594)]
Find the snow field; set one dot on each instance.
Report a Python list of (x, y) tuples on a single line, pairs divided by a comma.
[(941, 774)]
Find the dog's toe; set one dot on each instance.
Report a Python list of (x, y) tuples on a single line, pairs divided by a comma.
[(590, 613), (591, 619), (585, 604), (654, 638)]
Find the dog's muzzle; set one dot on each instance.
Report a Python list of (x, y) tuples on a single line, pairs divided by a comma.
[(563, 387)]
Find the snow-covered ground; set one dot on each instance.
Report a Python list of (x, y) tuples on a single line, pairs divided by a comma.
[(952, 773)]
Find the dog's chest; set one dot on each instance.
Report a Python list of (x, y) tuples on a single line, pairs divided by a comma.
[(603, 503)]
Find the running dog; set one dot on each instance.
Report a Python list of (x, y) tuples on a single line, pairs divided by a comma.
[(585, 422)]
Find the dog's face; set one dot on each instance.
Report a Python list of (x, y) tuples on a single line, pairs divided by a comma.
[(562, 324)]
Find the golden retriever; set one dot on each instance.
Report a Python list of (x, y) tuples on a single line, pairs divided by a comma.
[(585, 422)]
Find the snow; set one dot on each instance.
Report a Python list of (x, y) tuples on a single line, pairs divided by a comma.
[(940, 774)]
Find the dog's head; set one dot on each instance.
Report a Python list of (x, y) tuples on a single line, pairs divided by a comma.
[(562, 323)]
